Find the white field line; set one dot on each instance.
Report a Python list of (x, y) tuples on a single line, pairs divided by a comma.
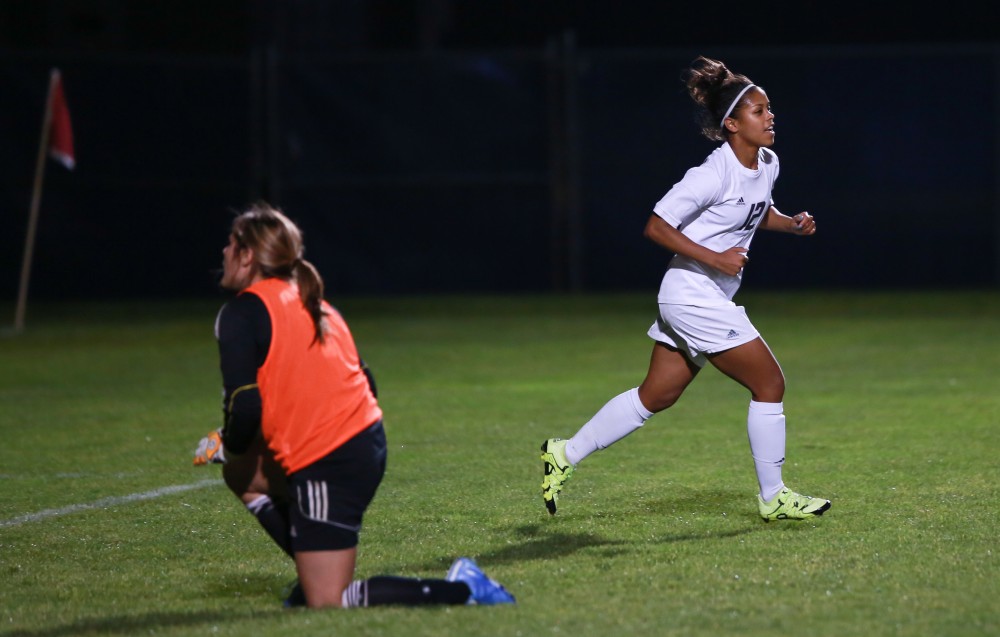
[(104, 503)]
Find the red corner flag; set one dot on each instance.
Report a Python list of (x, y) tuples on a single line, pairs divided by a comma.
[(61, 133), (57, 139)]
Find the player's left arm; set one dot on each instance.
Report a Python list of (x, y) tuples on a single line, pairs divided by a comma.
[(802, 224)]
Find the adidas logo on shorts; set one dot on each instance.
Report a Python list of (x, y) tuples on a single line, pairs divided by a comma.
[(732, 334)]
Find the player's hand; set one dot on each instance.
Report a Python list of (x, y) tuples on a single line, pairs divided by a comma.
[(804, 224), (210, 450), (732, 261)]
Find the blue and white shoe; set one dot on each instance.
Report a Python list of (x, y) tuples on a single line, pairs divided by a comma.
[(485, 591)]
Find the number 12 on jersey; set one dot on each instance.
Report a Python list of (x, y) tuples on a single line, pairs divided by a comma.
[(756, 210)]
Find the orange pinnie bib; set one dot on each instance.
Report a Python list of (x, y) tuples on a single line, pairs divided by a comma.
[(315, 396)]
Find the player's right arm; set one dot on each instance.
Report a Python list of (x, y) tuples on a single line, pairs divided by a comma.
[(662, 233), (244, 331)]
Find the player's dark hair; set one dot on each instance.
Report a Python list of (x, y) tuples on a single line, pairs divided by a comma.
[(278, 248), (713, 87)]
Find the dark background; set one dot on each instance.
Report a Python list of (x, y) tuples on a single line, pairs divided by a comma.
[(440, 146)]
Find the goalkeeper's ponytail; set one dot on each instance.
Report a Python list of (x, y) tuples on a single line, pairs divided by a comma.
[(311, 292), (278, 248)]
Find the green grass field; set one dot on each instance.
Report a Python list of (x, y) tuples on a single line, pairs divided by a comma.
[(893, 407)]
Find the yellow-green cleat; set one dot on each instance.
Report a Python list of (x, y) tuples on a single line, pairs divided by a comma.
[(557, 471), (788, 505)]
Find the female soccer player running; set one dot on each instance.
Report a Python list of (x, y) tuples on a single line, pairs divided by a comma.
[(296, 394), (708, 220)]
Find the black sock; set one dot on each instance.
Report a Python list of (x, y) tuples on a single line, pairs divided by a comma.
[(274, 518), (385, 589)]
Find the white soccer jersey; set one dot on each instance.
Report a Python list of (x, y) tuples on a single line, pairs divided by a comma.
[(717, 205)]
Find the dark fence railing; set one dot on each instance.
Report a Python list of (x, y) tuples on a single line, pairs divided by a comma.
[(495, 171)]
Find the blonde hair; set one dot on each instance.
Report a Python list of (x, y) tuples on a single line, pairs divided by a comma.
[(278, 248)]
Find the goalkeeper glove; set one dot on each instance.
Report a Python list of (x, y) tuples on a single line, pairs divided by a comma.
[(210, 450)]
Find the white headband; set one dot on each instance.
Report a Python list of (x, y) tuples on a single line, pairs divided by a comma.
[(735, 102)]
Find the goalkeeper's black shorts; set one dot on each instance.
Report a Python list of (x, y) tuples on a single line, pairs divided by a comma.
[(330, 496)]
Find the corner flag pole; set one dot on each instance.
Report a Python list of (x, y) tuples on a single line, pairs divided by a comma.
[(36, 198)]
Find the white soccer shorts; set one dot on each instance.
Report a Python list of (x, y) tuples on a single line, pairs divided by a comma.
[(699, 330)]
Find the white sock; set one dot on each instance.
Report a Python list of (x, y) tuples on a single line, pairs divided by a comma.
[(766, 430), (258, 503), (355, 595), (619, 417)]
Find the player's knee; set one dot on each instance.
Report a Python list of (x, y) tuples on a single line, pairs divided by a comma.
[(236, 480), (329, 599), (770, 391), (240, 480), (657, 401)]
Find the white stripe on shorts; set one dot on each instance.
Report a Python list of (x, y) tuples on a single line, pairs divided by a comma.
[(319, 508)]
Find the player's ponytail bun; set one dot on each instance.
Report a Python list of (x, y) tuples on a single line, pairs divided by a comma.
[(713, 87)]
